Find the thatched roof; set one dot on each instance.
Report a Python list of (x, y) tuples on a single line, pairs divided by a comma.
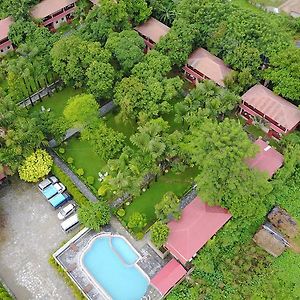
[(270, 240), (283, 222)]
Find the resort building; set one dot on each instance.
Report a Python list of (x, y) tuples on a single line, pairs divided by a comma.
[(152, 31), (202, 65), (272, 113), (197, 225), (5, 44), (54, 12), (170, 275), (266, 160)]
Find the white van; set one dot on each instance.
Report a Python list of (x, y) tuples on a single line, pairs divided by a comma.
[(70, 223)]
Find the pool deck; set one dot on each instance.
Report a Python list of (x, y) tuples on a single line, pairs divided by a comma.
[(69, 258)]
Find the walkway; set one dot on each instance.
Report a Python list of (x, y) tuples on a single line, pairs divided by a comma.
[(79, 184)]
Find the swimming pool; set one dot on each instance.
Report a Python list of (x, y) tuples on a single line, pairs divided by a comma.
[(111, 261)]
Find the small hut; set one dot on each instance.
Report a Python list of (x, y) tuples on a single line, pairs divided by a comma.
[(270, 239), (283, 222)]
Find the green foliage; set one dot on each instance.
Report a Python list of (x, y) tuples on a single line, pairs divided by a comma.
[(21, 137), (100, 79), (168, 207), (137, 222), (61, 150), (90, 180), (67, 182), (72, 56), (4, 295), (159, 233), (284, 73), (80, 172), (121, 212), (139, 235), (70, 160), (94, 215), (20, 11), (106, 142), (127, 48), (35, 166), (81, 110)]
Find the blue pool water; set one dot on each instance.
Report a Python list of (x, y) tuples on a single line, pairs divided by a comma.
[(110, 261)]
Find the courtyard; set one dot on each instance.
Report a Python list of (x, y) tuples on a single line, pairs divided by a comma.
[(31, 233)]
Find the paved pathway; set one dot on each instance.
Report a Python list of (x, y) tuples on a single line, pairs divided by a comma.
[(31, 233), (79, 184)]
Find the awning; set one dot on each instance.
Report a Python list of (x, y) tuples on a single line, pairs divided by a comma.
[(168, 276)]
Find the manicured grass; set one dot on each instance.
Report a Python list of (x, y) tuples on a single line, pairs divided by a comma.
[(58, 101), (85, 158), (177, 183)]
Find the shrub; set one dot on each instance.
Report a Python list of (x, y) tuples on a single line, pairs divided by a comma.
[(159, 233), (36, 166), (94, 214), (90, 180), (137, 221), (70, 160), (80, 172), (61, 150), (121, 212), (139, 235), (78, 197)]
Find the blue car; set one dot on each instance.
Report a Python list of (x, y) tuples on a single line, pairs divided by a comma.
[(53, 189), (59, 199)]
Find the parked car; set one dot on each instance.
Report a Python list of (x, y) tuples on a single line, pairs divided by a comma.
[(53, 189), (48, 181), (59, 199), (70, 223), (66, 211)]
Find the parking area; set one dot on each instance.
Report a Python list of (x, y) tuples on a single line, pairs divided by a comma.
[(30, 233)]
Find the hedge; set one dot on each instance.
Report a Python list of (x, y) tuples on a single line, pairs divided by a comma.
[(72, 189), (77, 293), (4, 294)]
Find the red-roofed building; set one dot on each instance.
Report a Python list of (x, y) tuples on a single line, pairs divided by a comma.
[(202, 65), (152, 31), (168, 276), (266, 160), (5, 44), (54, 12), (279, 115), (197, 225)]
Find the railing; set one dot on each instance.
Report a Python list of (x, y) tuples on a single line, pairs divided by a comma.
[(32, 99)]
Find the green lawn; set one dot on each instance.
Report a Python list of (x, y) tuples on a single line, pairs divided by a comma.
[(85, 158), (177, 183), (57, 102)]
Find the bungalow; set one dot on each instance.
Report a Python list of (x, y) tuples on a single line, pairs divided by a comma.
[(266, 160), (54, 12), (275, 115), (171, 274), (152, 31), (202, 65), (197, 225), (5, 44)]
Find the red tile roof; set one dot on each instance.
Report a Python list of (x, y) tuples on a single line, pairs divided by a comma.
[(273, 106), (48, 7), (266, 160), (168, 276), (4, 27), (153, 29), (198, 223), (209, 65)]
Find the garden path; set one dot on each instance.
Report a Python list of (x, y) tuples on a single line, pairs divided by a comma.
[(79, 184)]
